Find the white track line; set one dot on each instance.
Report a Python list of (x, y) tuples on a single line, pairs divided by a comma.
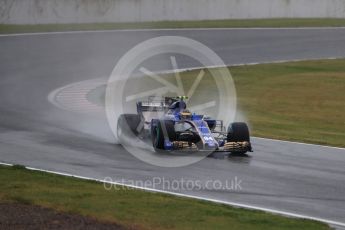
[(299, 143), (172, 29), (2, 163), (239, 205)]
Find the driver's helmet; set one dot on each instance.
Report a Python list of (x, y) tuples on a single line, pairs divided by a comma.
[(178, 106), (185, 114)]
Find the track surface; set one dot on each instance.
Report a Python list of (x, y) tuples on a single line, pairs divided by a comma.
[(297, 178)]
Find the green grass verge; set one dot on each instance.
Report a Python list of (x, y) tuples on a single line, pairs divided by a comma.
[(299, 101), (133, 208), (231, 23)]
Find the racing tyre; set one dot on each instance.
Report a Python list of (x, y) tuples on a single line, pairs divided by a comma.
[(158, 131), (238, 132)]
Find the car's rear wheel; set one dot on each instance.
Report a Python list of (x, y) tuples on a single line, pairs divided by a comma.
[(129, 125)]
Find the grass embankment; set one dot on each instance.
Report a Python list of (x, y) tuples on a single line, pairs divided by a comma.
[(230, 23), (133, 208), (299, 101)]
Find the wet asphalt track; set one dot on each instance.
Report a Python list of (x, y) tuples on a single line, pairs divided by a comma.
[(302, 179)]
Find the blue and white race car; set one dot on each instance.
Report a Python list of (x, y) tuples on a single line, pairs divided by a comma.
[(171, 126)]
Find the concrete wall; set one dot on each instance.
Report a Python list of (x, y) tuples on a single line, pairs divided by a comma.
[(84, 11)]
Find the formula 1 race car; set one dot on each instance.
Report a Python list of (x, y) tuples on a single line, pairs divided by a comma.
[(171, 126)]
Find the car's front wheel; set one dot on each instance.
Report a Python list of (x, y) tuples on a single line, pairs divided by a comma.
[(162, 130), (238, 132)]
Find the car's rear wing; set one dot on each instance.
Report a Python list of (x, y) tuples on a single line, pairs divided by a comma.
[(155, 104)]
